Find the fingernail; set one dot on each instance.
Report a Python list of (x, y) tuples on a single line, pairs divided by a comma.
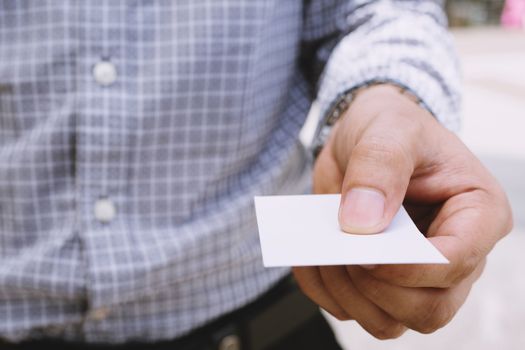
[(362, 208), (368, 267)]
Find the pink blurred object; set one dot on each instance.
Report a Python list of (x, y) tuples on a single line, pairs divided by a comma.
[(513, 15)]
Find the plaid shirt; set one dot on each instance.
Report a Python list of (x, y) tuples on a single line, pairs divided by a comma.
[(134, 135)]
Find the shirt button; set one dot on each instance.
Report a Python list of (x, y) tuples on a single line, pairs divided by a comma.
[(105, 73), (230, 342), (105, 210)]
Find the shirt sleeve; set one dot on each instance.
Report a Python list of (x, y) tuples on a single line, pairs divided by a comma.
[(405, 42)]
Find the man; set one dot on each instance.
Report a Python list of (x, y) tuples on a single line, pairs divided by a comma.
[(134, 136)]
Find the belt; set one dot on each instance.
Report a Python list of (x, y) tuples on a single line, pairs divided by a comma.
[(256, 326)]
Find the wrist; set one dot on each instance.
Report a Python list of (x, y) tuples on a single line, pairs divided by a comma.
[(385, 90), (373, 92)]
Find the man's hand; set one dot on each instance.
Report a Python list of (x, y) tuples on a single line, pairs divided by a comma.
[(387, 151)]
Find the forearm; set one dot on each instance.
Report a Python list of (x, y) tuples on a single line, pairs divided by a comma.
[(403, 42)]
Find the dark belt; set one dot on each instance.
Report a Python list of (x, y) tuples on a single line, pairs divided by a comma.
[(256, 326)]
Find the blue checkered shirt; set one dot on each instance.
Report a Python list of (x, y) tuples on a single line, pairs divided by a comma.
[(134, 135)]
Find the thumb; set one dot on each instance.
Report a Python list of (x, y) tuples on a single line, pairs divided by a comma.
[(375, 182)]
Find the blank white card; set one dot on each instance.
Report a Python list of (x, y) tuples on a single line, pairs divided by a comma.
[(304, 231)]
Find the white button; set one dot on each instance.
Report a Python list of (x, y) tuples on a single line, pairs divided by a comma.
[(105, 210), (105, 73), (230, 342), (99, 314)]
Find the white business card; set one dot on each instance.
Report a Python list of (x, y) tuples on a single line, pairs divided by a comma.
[(304, 230)]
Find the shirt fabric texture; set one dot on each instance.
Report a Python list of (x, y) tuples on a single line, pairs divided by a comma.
[(201, 112)]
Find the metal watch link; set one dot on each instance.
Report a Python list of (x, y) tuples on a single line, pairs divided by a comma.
[(342, 103)]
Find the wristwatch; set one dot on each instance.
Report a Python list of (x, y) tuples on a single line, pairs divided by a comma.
[(342, 103)]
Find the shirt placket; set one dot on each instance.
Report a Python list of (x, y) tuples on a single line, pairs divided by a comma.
[(101, 156)]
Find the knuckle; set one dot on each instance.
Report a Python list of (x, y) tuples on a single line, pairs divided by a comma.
[(383, 150), (340, 316), (470, 262), (388, 330), (507, 219), (439, 312)]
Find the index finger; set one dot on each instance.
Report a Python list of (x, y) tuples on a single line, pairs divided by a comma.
[(464, 231)]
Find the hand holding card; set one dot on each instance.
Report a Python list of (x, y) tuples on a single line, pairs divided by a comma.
[(304, 231)]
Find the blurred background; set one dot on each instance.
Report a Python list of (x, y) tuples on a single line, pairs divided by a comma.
[(492, 52)]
